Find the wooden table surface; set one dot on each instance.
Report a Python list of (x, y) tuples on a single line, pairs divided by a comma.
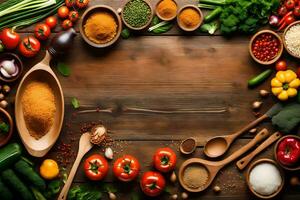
[(171, 72)]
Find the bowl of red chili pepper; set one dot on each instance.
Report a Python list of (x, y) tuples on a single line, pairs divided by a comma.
[(266, 47)]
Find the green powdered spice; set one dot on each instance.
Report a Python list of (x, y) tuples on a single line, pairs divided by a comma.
[(136, 13)]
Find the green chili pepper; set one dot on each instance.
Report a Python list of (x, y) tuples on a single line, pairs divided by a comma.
[(259, 78), (213, 14)]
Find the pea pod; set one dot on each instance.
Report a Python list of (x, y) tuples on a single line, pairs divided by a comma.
[(259, 78)]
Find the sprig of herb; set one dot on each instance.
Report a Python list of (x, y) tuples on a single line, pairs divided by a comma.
[(64, 69), (75, 103), (4, 127)]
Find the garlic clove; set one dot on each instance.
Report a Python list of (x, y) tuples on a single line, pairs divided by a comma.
[(256, 105), (173, 177), (264, 93), (184, 195), (109, 154), (174, 196), (112, 196), (4, 73)]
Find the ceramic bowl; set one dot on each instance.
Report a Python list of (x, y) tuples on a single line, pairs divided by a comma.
[(18, 62), (161, 17), (264, 160), (95, 9), (4, 138), (137, 28), (192, 7), (278, 54), (289, 168), (284, 42)]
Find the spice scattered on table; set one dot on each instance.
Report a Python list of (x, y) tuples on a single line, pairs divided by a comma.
[(265, 179), (189, 18), (101, 27), (98, 134), (195, 176), (39, 108), (292, 39), (167, 9), (137, 13)]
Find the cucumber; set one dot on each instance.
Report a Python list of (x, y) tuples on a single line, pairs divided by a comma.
[(5, 193), (259, 78), (11, 179), (9, 155), (28, 173)]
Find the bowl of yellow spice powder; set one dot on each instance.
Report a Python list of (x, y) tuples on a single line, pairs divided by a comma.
[(166, 9), (100, 26), (189, 18)]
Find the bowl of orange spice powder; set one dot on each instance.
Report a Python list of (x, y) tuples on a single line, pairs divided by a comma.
[(100, 26), (166, 9), (189, 18)]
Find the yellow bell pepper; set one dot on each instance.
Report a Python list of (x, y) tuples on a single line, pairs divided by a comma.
[(49, 169), (284, 85)]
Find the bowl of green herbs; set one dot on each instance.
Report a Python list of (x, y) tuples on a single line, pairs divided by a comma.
[(137, 14), (6, 127)]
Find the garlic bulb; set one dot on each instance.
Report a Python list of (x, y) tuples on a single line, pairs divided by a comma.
[(109, 154)]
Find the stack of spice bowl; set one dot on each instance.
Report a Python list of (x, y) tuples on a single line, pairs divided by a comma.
[(137, 14), (166, 10), (189, 18)]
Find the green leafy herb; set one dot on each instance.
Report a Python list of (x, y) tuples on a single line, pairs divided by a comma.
[(84, 192), (210, 27), (75, 103), (155, 21), (159, 27), (53, 188), (4, 127), (64, 69), (125, 33)]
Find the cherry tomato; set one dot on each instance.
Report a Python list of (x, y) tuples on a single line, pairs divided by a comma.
[(289, 20), (152, 183), (51, 22), (10, 39), (281, 65), (29, 46), (164, 159), (63, 12), (82, 3), (67, 24), (282, 11), (126, 168), (73, 16), (70, 3), (290, 4), (42, 31), (95, 167), (296, 11)]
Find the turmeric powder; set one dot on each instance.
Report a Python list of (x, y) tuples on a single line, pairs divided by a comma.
[(189, 18), (39, 108), (101, 27), (167, 9)]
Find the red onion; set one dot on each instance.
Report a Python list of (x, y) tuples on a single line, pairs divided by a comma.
[(273, 20)]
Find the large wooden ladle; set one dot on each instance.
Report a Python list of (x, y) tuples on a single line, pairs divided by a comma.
[(84, 146)]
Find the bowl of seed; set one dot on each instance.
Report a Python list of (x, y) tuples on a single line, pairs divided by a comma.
[(291, 39), (137, 14)]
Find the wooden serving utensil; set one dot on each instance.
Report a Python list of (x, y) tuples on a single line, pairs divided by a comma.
[(84, 146), (213, 167), (242, 163)]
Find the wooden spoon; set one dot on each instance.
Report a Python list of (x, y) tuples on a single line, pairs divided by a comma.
[(213, 167), (84, 146), (242, 163)]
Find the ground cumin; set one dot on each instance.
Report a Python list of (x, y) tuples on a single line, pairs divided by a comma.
[(39, 108), (195, 176), (189, 17), (100, 27), (167, 9)]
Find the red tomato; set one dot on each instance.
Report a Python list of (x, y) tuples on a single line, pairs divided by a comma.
[(297, 11), (70, 3), (95, 167), (29, 46), (152, 183), (281, 65), (164, 159), (289, 20), (51, 22), (82, 3), (290, 4), (63, 12), (42, 31), (73, 16), (10, 39), (126, 168), (67, 24), (282, 10)]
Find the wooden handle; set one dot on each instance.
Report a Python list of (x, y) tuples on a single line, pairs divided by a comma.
[(249, 126), (64, 192), (242, 163), (259, 137)]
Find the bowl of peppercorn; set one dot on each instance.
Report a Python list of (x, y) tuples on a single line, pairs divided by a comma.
[(137, 14), (266, 47)]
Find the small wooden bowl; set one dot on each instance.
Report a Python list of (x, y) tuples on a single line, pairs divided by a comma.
[(4, 138), (95, 9), (284, 42), (278, 54), (161, 17), (264, 160), (295, 168), (137, 28), (195, 8), (18, 62)]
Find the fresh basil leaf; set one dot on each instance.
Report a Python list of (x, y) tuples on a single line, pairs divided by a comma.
[(63, 69), (4, 127), (125, 33), (75, 103)]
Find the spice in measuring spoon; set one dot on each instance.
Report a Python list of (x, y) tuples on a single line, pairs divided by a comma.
[(195, 176), (188, 146)]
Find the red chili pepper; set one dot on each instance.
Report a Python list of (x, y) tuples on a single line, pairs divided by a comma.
[(284, 17), (288, 20), (288, 151)]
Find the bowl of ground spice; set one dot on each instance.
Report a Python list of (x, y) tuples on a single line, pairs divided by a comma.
[(166, 9), (100, 26), (291, 39), (189, 18), (137, 14)]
